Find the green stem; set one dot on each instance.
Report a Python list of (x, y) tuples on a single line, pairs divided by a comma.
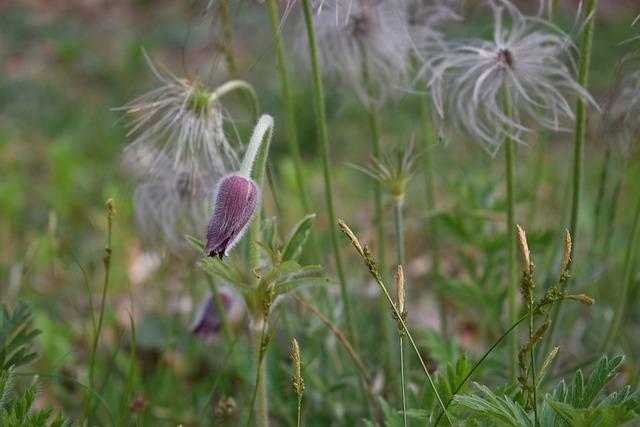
[(402, 380), (261, 138), (533, 365), (264, 129), (581, 119), (96, 336), (512, 285), (627, 278), (289, 108), (326, 164), (537, 178), (377, 187), (299, 417), (259, 397), (433, 228), (413, 344), (399, 225), (228, 37), (241, 86), (578, 153)]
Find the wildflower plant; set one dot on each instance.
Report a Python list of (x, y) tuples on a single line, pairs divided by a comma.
[(491, 89)]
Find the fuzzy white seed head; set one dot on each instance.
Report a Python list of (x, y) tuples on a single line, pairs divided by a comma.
[(528, 66), (177, 126), (364, 44), (170, 205)]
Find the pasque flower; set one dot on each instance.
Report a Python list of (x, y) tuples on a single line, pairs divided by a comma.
[(488, 88), (236, 198), (208, 320)]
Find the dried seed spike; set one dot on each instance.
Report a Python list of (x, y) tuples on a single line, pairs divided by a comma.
[(524, 247), (566, 255), (111, 207), (585, 299), (298, 382), (547, 362), (400, 288), (354, 240)]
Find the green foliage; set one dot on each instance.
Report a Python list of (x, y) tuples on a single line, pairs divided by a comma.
[(17, 408), (16, 337), (576, 405)]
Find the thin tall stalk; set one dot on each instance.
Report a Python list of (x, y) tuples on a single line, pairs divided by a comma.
[(264, 129), (399, 228), (227, 47), (578, 149), (111, 211), (512, 285), (318, 96), (427, 166), (292, 136), (581, 117)]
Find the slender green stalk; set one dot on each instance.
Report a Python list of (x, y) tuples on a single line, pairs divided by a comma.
[(533, 365), (259, 397), (627, 278), (374, 124), (433, 228), (299, 413), (536, 179), (580, 135), (292, 136), (581, 118), (402, 380), (111, 211), (223, 9), (398, 220), (414, 345), (263, 132), (321, 124), (512, 284), (399, 227), (240, 85)]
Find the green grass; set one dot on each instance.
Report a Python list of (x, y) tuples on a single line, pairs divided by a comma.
[(60, 145)]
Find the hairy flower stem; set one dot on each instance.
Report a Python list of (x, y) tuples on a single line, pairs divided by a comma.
[(321, 125), (578, 152), (111, 211), (512, 284), (259, 145), (627, 278), (431, 205)]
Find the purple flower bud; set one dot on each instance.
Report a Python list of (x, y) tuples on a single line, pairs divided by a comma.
[(235, 202), (208, 321)]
